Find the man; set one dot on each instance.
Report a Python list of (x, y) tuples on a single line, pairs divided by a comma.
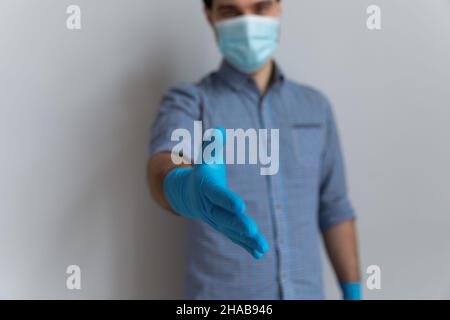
[(254, 236)]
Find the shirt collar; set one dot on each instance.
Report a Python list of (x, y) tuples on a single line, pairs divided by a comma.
[(240, 81)]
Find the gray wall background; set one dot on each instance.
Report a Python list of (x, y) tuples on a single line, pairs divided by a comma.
[(75, 108)]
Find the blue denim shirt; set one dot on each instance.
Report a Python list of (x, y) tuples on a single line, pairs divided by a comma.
[(291, 208)]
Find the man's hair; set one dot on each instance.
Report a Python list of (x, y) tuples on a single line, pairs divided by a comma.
[(208, 3)]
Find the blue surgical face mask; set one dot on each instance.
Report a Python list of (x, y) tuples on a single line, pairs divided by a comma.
[(248, 42)]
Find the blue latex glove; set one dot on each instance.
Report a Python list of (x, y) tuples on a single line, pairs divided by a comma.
[(351, 290), (202, 193)]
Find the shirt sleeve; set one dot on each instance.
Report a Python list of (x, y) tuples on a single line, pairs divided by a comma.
[(334, 206), (179, 108)]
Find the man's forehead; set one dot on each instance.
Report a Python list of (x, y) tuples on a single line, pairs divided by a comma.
[(238, 3)]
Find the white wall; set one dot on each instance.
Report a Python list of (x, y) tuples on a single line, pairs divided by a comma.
[(75, 108)]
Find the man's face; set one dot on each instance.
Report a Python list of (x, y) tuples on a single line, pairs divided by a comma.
[(226, 9)]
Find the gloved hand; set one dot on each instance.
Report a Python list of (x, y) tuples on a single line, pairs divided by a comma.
[(351, 290), (202, 193)]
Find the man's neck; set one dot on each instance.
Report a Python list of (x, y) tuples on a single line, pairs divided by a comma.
[(263, 77)]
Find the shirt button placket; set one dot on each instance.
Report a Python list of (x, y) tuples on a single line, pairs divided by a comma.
[(278, 212)]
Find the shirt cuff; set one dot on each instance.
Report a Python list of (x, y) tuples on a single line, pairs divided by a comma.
[(336, 213)]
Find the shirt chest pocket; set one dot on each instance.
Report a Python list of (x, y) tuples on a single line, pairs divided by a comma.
[(307, 141)]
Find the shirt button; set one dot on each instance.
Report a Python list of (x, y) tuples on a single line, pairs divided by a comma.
[(283, 276), (278, 206)]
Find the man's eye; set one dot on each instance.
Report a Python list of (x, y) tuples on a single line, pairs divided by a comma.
[(263, 8), (229, 13)]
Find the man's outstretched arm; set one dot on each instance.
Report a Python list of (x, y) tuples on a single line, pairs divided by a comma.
[(201, 192)]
